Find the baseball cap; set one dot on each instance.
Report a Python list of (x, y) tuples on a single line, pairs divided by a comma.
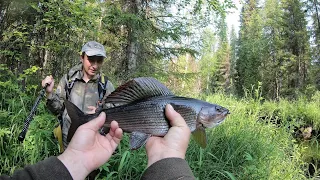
[(93, 48)]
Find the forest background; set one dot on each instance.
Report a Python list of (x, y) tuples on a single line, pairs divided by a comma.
[(267, 74)]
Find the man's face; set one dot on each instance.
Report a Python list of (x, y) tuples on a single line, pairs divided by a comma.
[(91, 64)]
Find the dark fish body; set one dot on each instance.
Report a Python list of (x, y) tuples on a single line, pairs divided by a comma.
[(139, 110), (148, 116)]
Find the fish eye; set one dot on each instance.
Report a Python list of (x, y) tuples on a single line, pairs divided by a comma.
[(218, 108)]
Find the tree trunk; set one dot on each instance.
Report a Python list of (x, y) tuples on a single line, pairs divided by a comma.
[(4, 5), (317, 14), (131, 49)]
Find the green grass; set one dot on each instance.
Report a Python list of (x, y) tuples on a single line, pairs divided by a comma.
[(243, 148), (14, 108), (37, 145)]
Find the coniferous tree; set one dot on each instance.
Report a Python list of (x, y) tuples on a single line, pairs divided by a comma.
[(233, 58), (271, 71), (215, 61), (296, 60), (222, 76), (314, 12), (250, 47), (207, 64)]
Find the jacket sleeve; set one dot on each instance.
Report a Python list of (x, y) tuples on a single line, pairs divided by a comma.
[(169, 168), (49, 169), (55, 100), (110, 89)]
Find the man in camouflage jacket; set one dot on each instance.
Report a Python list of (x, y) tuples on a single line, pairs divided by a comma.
[(83, 79)]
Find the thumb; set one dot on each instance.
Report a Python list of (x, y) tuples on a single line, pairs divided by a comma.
[(174, 117), (96, 123), (91, 107)]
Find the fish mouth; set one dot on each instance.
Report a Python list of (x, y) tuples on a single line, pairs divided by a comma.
[(220, 121)]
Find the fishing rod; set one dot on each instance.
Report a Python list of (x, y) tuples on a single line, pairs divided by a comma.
[(23, 133)]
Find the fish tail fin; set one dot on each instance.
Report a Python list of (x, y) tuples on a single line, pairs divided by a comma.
[(77, 118)]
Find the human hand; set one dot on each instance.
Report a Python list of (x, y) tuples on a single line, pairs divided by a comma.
[(174, 143), (48, 80), (92, 109), (88, 149)]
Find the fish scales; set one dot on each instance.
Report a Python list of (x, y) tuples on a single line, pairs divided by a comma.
[(148, 116)]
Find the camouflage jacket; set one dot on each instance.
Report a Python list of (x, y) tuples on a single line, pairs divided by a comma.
[(82, 95)]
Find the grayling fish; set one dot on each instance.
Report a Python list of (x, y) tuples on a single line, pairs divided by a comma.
[(139, 110)]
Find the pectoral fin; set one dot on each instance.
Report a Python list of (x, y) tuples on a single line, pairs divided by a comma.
[(200, 136), (138, 139)]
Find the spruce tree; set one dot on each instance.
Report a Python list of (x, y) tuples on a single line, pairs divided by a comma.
[(296, 59), (271, 71), (250, 47)]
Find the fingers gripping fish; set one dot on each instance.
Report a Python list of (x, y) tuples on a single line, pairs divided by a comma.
[(139, 110)]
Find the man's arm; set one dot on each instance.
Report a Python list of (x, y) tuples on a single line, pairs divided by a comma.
[(169, 168), (55, 99), (110, 89), (51, 168)]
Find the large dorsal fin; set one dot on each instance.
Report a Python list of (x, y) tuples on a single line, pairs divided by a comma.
[(138, 89)]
